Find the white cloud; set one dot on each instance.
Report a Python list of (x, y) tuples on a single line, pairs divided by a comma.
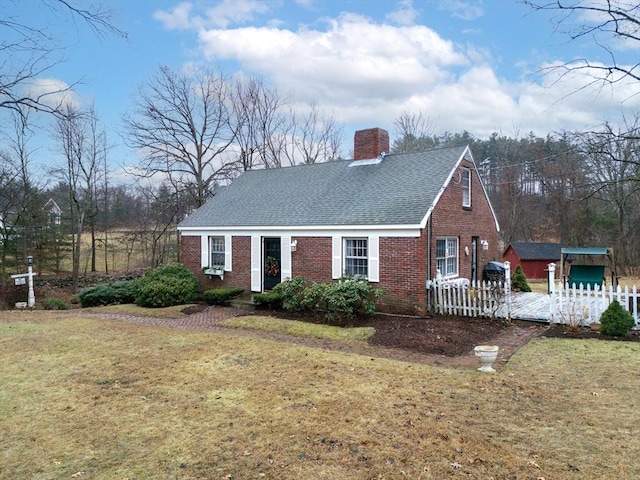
[(465, 10), (367, 73), (222, 15), (353, 60), (53, 92), (177, 19), (404, 15)]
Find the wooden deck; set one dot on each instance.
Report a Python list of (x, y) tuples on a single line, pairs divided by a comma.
[(530, 306)]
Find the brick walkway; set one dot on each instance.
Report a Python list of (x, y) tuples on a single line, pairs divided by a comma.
[(209, 320)]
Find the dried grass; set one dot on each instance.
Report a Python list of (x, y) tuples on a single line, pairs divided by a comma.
[(82, 398)]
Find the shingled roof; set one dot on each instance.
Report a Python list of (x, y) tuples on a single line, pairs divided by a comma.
[(393, 190), (537, 251)]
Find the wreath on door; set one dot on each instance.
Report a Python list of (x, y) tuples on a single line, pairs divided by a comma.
[(272, 267)]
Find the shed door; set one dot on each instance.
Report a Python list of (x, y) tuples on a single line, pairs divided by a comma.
[(272, 263)]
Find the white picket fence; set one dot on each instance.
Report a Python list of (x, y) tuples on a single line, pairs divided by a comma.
[(577, 305), (472, 298), (572, 305)]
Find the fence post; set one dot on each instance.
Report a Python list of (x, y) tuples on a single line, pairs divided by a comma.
[(507, 288), (551, 290)]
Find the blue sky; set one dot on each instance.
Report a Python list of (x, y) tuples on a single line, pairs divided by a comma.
[(466, 64)]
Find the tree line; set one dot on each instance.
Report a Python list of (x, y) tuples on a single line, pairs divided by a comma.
[(195, 131)]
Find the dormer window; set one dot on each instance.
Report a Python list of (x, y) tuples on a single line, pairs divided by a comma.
[(466, 187)]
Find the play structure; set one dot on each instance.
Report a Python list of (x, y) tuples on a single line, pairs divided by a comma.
[(587, 266)]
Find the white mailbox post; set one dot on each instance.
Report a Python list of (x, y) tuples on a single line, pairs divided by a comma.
[(19, 280)]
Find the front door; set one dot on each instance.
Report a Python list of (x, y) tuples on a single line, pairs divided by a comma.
[(271, 264), (474, 258)]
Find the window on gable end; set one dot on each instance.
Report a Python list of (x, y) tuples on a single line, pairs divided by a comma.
[(466, 187), (216, 249)]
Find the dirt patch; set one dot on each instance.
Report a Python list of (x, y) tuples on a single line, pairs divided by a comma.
[(562, 331), (441, 335)]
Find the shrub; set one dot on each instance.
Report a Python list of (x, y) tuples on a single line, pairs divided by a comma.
[(347, 298), (616, 321), (519, 281), (54, 304), (292, 293), (112, 293), (221, 296), (165, 286), (271, 299)]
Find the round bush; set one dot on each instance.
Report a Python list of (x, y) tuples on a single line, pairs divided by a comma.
[(112, 293), (616, 321), (54, 304), (165, 286)]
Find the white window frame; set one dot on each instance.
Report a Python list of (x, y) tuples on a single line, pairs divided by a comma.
[(466, 187), (356, 247), (218, 241), (448, 264)]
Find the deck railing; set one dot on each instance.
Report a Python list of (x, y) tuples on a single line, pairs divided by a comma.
[(567, 304), (466, 298)]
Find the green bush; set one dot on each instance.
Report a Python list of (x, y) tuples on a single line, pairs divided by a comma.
[(340, 301), (54, 304), (221, 296), (111, 293), (346, 299), (165, 286), (616, 321), (271, 299), (291, 293), (519, 281)]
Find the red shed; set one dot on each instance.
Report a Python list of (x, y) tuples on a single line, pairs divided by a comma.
[(533, 257)]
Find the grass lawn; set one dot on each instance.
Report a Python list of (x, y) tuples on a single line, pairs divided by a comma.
[(85, 398)]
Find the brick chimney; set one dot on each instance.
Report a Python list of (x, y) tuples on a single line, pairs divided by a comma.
[(370, 143)]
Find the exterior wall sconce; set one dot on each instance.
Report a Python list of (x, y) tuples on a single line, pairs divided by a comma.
[(485, 245), (294, 245)]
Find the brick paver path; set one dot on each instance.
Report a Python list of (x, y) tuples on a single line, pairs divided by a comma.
[(209, 320)]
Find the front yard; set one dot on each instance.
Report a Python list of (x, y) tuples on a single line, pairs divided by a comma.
[(89, 398)]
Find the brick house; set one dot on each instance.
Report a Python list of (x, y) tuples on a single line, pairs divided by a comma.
[(394, 219)]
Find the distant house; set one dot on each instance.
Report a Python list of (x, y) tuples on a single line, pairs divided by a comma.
[(533, 257), (394, 219), (54, 212)]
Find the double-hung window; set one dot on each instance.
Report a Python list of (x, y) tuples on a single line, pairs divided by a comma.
[(447, 256), (356, 260), (466, 187), (216, 249)]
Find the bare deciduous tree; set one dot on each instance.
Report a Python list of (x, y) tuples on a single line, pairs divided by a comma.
[(181, 125), (28, 51), (318, 137), (262, 121), (607, 22), (414, 132), (82, 144)]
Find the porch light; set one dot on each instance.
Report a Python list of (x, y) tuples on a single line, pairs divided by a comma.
[(485, 245), (294, 245)]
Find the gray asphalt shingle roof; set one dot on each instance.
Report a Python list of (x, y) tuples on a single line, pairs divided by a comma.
[(537, 251), (399, 190)]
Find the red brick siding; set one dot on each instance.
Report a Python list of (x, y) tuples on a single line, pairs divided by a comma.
[(403, 261), (312, 259), (370, 143), (450, 219), (403, 275)]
